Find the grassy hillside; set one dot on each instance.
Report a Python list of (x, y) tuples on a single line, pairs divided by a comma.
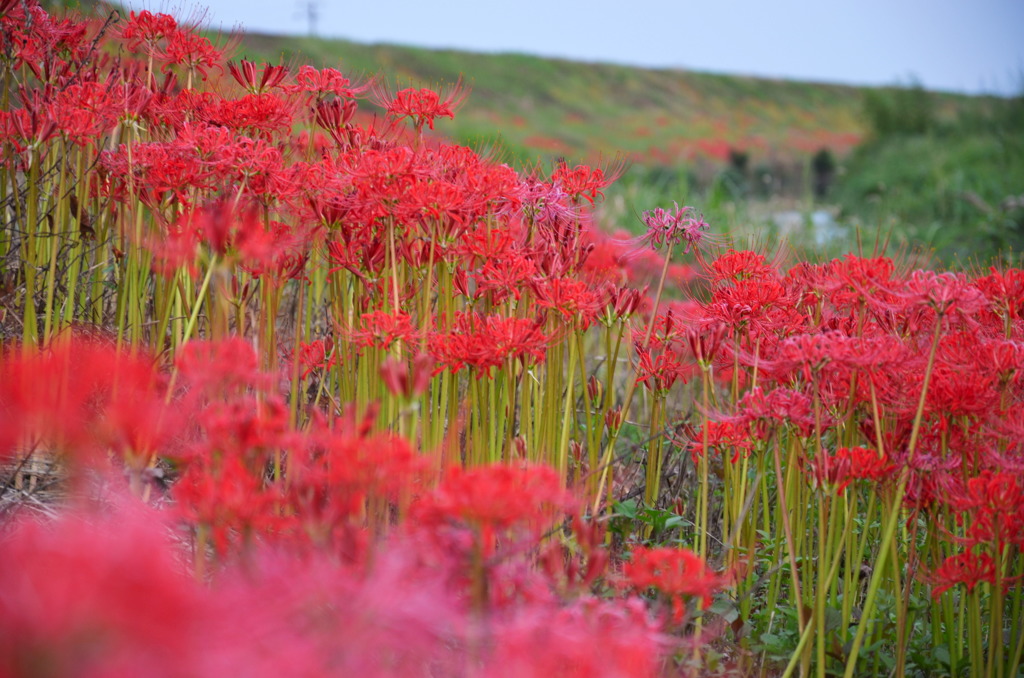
[(581, 110)]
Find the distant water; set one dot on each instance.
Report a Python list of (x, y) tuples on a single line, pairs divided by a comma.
[(821, 223)]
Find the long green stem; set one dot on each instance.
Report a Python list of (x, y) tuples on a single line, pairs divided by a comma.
[(613, 437), (894, 516)]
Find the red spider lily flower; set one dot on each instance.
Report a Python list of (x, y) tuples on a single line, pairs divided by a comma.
[(484, 342), (582, 181), (286, 264), (1003, 358), (84, 112), (316, 356), (659, 373), (29, 128), (761, 412), (764, 307), (246, 76), (380, 330), (722, 435), (1004, 291), (994, 505), (867, 464), (377, 135), (960, 390), (573, 299), (945, 293), (543, 202), (401, 380), (589, 638), (82, 399), (1009, 423), (806, 283), (218, 223), (621, 302), (968, 568), (446, 204), (245, 428), (669, 330), (678, 573), (275, 251), (232, 502), (220, 367), (263, 115), (327, 81), (498, 497), (140, 421), (852, 281), (672, 227), (736, 265), (805, 355), (422, 106), (613, 419), (98, 593), (175, 247), (705, 343), (194, 52), (382, 182), (576, 570), (595, 389), (501, 278), (468, 287), (199, 159), (239, 235), (364, 259), (147, 28), (827, 472), (484, 244), (847, 465), (337, 469), (334, 117), (46, 46)]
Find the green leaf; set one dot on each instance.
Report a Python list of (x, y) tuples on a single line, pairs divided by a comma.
[(833, 619), (625, 509), (725, 608)]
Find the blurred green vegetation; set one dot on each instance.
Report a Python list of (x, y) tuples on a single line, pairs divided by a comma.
[(583, 111), (954, 184)]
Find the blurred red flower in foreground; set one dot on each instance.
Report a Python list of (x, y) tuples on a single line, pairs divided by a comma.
[(498, 497)]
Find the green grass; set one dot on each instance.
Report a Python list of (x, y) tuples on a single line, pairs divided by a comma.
[(957, 187), (596, 109)]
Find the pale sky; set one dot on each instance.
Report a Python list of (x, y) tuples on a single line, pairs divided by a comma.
[(956, 45)]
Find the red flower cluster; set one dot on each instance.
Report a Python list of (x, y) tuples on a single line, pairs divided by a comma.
[(498, 498), (113, 401), (485, 342), (422, 106), (679, 574), (848, 464)]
